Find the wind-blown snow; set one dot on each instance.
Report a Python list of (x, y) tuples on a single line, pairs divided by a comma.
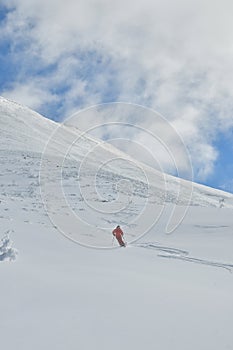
[(162, 291), (7, 253)]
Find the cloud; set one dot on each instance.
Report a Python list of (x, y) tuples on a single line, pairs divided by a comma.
[(141, 132), (173, 56), (228, 186), (29, 94)]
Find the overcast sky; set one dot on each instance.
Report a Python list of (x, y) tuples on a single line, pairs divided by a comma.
[(175, 57)]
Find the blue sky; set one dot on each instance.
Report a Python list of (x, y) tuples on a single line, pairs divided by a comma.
[(174, 57), (223, 172)]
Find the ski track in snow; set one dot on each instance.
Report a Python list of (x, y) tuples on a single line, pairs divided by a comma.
[(178, 254)]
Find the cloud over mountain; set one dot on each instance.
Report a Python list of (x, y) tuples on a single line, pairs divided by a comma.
[(175, 57)]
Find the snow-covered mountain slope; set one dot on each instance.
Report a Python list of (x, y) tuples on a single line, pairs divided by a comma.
[(81, 176), (162, 291), (23, 130)]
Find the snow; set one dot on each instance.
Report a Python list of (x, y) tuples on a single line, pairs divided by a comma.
[(7, 253), (165, 291)]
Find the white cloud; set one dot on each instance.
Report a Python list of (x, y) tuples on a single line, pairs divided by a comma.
[(228, 186), (174, 56), (30, 94)]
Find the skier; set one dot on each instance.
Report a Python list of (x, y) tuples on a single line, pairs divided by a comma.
[(118, 233)]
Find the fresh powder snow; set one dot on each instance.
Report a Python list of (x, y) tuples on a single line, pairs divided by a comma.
[(65, 283)]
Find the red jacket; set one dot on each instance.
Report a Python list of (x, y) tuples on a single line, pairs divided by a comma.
[(117, 232)]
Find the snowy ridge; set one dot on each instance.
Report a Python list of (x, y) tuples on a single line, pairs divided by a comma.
[(26, 131)]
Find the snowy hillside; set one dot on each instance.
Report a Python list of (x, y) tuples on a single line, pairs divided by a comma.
[(87, 180), (165, 291)]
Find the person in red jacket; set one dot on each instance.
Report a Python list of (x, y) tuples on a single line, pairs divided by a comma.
[(118, 233)]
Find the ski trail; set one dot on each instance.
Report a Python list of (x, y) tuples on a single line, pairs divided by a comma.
[(179, 254), (152, 245), (200, 261)]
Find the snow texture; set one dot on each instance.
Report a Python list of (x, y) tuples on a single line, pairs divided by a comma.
[(163, 291), (7, 253)]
